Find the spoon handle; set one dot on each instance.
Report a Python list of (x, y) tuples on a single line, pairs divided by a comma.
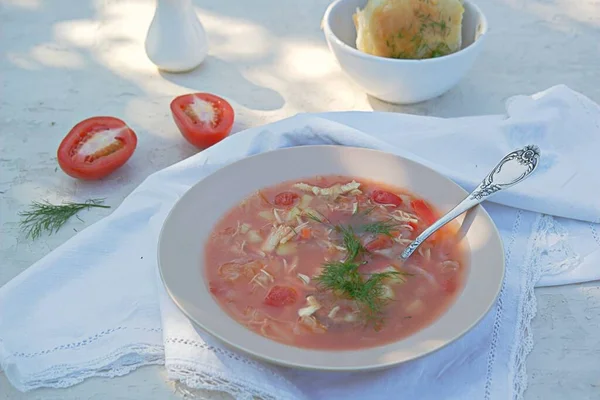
[(512, 169)]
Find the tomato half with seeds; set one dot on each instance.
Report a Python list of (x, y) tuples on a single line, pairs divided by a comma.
[(203, 118), (96, 147)]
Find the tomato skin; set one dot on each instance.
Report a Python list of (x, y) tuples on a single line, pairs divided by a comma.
[(200, 133), (215, 288), (305, 233), (103, 161), (450, 285), (286, 198), (379, 243), (280, 296), (384, 197), (423, 211)]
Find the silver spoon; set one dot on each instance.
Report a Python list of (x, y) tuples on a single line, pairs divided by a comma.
[(512, 169)]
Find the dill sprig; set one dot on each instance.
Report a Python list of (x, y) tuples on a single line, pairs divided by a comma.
[(372, 296), (344, 279), (44, 216), (368, 211), (381, 227), (314, 218), (351, 242)]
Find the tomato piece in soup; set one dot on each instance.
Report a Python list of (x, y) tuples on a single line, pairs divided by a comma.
[(96, 147), (450, 285), (379, 243), (286, 198), (384, 197), (279, 296), (428, 216), (423, 211)]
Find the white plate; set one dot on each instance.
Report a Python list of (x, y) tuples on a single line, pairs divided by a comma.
[(186, 229)]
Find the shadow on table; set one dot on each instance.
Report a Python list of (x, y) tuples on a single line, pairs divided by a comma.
[(448, 105), (236, 87), (531, 46), (549, 41)]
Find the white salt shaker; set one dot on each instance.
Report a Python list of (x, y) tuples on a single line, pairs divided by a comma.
[(176, 40)]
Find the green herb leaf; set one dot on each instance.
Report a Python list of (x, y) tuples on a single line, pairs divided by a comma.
[(351, 242), (340, 276), (380, 227), (43, 216), (368, 211), (315, 218), (344, 279), (441, 49)]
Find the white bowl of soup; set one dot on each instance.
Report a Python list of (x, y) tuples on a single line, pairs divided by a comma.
[(298, 263), (399, 80)]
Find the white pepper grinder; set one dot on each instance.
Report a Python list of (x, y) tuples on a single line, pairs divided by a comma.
[(176, 40)]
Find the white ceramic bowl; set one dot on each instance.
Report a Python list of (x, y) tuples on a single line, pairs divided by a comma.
[(395, 80), (189, 224)]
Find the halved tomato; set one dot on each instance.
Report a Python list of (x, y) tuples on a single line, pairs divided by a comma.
[(96, 147), (203, 118)]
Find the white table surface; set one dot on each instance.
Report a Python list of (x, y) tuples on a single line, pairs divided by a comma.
[(65, 60)]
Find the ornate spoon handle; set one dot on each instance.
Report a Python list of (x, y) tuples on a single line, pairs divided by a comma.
[(512, 169)]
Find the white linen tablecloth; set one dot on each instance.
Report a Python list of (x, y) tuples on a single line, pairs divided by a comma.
[(95, 306)]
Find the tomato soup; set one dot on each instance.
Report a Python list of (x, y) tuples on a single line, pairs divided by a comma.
[(316, 263)]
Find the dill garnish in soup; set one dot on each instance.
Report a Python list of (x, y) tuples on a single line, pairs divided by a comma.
[(316, 263)]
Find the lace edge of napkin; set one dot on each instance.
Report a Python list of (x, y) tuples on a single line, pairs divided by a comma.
[(548, 253), (189, 377), (119, 363)]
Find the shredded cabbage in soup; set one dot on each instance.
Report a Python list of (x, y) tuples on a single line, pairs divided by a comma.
[(316, 263)]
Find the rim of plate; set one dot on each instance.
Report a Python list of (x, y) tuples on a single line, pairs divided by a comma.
[(268, 350)]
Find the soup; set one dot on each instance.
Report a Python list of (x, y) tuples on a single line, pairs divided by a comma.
[(316, 263)]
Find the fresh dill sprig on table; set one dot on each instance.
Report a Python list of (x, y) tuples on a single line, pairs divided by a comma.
[(44, 216)]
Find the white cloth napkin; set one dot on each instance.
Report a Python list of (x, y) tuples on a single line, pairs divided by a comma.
[(95, 306)]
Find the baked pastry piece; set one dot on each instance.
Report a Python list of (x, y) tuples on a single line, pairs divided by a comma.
[(413, 29)]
